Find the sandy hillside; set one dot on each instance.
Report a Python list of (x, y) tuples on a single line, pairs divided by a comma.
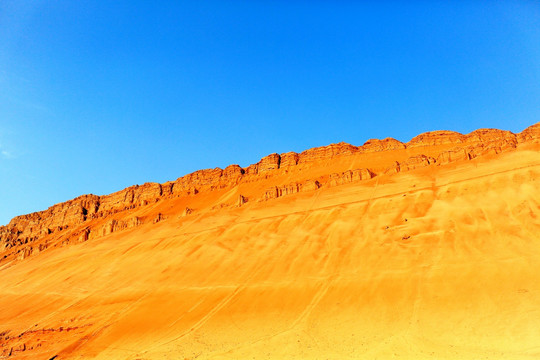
[(439, 261)]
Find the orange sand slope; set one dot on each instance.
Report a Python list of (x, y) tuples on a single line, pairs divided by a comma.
[(441, 261)]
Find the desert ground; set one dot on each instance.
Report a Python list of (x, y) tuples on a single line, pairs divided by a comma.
[(438, 262)]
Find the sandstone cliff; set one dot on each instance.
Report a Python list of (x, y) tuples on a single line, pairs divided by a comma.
[(90, 216)]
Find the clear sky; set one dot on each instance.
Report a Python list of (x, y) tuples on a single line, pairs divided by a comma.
[(99, 95)]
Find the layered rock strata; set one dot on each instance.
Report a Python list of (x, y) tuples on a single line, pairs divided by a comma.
[(90, 216)]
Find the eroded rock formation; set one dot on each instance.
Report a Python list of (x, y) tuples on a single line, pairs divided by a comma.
[(89, 216)]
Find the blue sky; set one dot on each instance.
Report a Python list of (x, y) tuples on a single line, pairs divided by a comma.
[(98, 95)]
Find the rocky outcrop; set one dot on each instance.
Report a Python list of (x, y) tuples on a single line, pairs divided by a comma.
[(456, 154), (441, 137), (90, 216), (326, 152), (530, 134), (231, 176), (490, 141), (129, 198), (374, 145), (274, 192), (490, 136), (333, 179), (25, 228), (289, 159), (292, 188), (477, 143), (415, 162), (350, 176), (269, 163), (111, 226), (191, 184)]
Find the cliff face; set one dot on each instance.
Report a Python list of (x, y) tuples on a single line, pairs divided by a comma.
[(90, 216), (374, 145)]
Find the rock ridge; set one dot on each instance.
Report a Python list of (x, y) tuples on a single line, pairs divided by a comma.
[(17, 237)]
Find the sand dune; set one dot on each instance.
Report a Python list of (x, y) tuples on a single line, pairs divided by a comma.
[(439, 262)]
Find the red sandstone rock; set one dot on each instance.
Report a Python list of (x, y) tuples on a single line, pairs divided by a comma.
[(231, 176), (326, 152), (252, 169), (415, 162), (278, 191), (291, 188), (489, 141), (271, 193), (288, 159), (531, 134), (350, 176), (207, 179), (269, 163), (70, 219), (374, 145), (440, 137), (484, 136), (456, 154)]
